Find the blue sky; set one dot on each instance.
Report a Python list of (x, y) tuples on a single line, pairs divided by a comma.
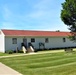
[(31, 15)]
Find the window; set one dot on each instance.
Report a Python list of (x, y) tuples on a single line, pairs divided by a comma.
[(46, 40), (14, 40), (64, 40), (32, 40)]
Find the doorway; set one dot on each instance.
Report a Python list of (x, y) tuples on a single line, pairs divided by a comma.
[(25, 42)]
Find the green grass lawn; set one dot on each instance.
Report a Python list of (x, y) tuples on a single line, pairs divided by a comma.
[(3, 54), (6, 54), (43, 64)]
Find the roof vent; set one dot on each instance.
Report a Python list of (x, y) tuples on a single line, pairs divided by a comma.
[(57, 30)]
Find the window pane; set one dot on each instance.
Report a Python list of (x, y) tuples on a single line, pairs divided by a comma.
[(32, 40), (46, 40), (64, 40), (14, 40)]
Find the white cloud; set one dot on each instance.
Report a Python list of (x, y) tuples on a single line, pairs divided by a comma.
[(43, 4), (40, 9), (7, 17), (40, 17), (37, 14), (6, 12), (51, 26), (7, 25)]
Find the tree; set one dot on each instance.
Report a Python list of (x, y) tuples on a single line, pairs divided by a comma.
[(68, 14)]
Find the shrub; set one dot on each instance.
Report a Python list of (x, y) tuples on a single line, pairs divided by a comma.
[(20, 51), (9, 51), (14, 51), (45, 49), (35, 50)]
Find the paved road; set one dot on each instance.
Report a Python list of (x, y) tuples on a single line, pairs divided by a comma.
[(5, 70)]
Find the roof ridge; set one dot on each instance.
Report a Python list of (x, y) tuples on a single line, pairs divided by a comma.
[(33, 30)]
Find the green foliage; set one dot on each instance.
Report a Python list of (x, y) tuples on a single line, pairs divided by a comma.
[(9, 51), (20, 51), (72, 38), (68, 14)]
